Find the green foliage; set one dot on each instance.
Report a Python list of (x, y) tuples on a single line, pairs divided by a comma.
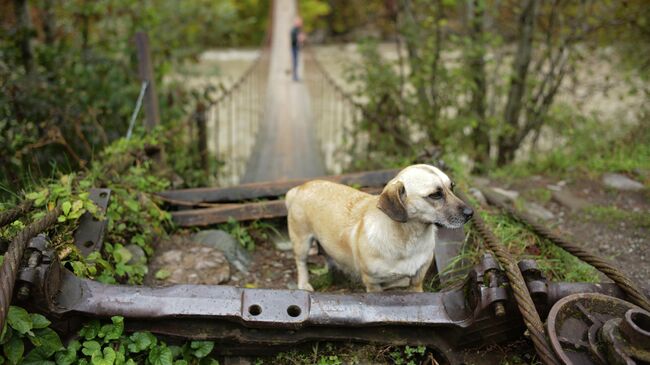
[(80, 91), (589, 146), (555, 263), (408, 355), (25, 331), (134, 217), (613, 216), (27, 339), (248, 234)]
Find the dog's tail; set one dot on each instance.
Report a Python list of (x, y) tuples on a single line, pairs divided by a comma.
[(289, 197)]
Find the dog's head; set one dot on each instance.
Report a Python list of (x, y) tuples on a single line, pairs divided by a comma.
[(423, 193)]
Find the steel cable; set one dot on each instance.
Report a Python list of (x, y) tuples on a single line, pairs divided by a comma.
[(633, 292), (524, 301), (14, 213), (12, 259)]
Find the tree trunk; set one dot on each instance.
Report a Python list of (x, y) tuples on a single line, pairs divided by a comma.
[(49, 21), (476, 63), (507, 139), (24, 34)]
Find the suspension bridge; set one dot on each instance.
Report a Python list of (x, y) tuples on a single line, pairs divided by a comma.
[(268, 127), (271, 133)]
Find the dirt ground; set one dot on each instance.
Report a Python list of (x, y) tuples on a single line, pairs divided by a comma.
[(616, 225)]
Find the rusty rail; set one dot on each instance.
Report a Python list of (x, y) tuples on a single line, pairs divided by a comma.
[(12, 259), (635, 294)]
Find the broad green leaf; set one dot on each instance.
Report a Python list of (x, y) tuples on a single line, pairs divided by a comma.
[(162, 274), (160, 355), (65, 207), (90, 348), (180, 362), (37, 357), (50, 341), (39, 321), (67, 356), (208, 361), (201, 348), (112, 331), (141, 341), (14, 349), (90, 330), (77, 205), (19, 319)]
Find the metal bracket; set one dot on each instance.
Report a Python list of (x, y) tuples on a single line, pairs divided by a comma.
[(90, 233)]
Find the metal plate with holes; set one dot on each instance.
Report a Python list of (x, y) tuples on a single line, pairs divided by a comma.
[(263, 305), (90, 234)]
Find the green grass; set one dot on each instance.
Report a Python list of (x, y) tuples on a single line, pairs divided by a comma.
[(612, 216), (539, 195), (557, 264), (592, 148)]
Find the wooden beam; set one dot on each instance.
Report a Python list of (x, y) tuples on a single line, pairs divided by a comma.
[(238, 212), (273, 189), (242, 212), (145, 69)]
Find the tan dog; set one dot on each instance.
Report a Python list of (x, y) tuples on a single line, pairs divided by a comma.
[(387, 240)]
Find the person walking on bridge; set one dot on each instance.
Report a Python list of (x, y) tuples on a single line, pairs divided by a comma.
[(297, 39)]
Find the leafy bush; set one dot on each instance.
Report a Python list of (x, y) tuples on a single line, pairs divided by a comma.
[(97, 344)]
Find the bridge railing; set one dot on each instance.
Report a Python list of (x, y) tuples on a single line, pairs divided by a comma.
[(228, 124), (336, 116)]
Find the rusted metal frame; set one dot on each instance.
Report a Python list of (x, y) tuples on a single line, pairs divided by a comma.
[(447, 321), (274, 189)]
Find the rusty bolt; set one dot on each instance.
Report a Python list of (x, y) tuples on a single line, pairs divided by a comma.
[(499, 309)]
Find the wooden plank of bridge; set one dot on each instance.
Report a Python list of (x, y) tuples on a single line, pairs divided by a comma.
[(286, 145), (238, 212), (272, 189)]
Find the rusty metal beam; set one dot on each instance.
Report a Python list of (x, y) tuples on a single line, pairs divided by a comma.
[(273, 189)]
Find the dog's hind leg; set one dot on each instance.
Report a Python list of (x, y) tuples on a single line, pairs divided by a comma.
[(301, 244)]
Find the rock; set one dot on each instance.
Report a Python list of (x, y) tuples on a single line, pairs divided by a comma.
[(137, 254), (538, 211), (553, 187), (621, 182), (567, 199), (478, 195), (224, 242), (480, 181), (172, 257), (281, 241), (510, 195), (194, 265)]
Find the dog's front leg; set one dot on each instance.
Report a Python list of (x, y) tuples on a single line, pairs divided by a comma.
[(418, 279), (371, 285)]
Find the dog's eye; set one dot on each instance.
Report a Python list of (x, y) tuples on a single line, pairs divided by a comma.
[(436, 195)]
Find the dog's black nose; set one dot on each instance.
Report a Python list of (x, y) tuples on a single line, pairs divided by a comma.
[(468, 212)]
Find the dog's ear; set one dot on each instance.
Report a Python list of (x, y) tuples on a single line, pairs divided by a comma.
[(391, 202)]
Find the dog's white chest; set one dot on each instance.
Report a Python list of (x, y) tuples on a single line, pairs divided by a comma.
[(404, 260)]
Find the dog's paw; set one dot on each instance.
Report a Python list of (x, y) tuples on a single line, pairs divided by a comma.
[(306, 286)]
